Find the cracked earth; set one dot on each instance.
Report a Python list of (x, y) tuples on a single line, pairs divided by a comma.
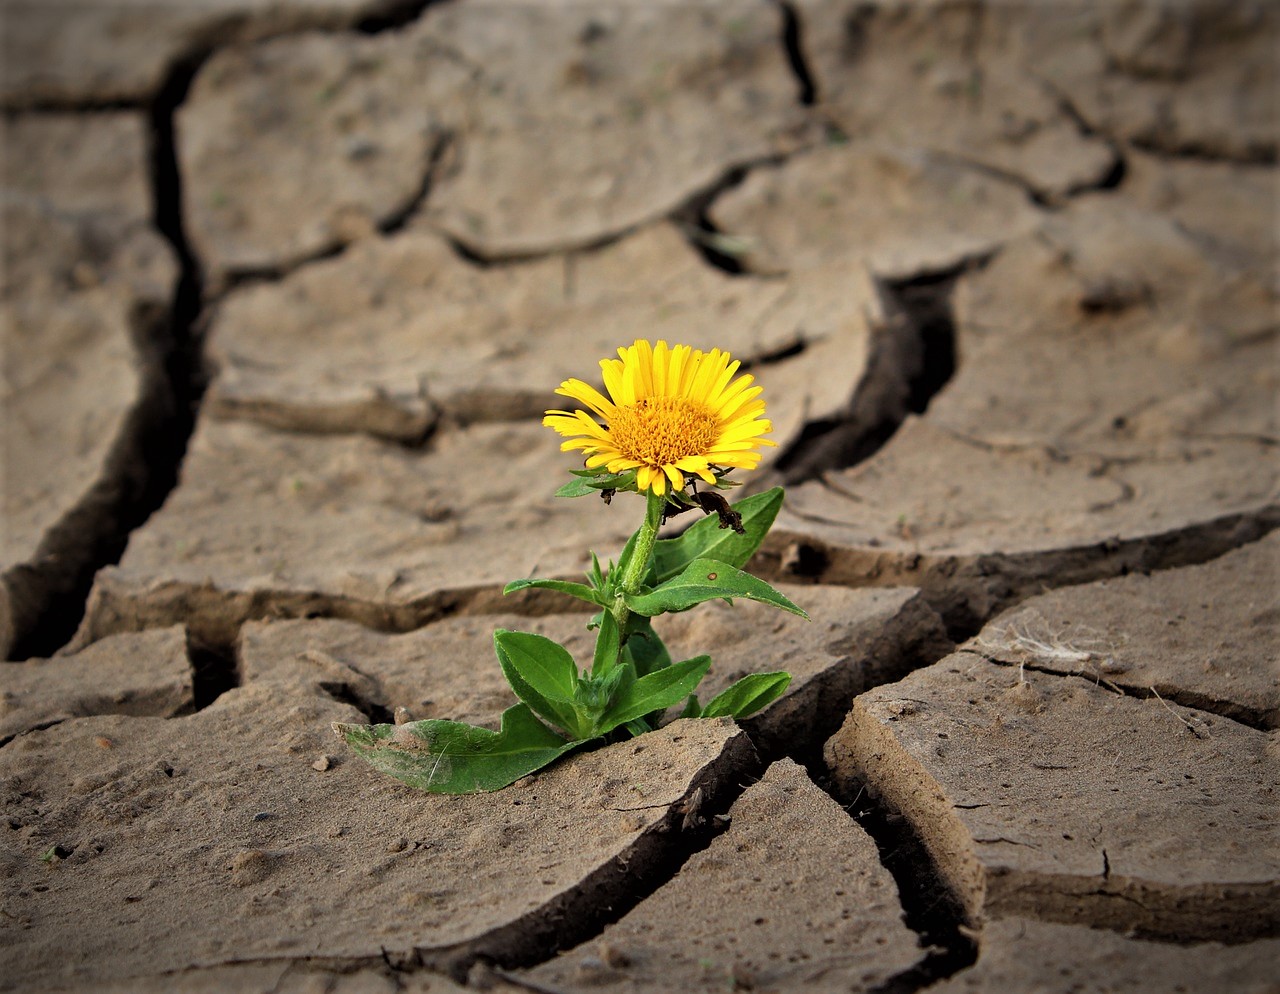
[(286, 289)]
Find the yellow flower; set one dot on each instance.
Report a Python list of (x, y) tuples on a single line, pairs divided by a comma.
[(670, 411)]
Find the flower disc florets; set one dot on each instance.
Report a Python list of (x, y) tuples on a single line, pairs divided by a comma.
[(671, 411)]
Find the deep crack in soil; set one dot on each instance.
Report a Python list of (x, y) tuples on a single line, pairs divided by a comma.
[(911, 360), (145, 463)]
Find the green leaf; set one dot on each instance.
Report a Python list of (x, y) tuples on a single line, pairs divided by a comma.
[(655, 692), (578, 590), (448, 757), (596, 575), (577, 487), (645, 647), (706, 580), (748, 695), (588, 481), (618, 679), (707, 540), (691, 708), (608, 645), (543, 675)]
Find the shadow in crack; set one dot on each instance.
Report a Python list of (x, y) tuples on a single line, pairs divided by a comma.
[(214, 671), (929, 906), (911, 360)]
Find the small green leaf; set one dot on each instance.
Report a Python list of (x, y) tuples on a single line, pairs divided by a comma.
[(608, 645), (707, 540), (577, 487), (578, 590), (655, 692), (748, 695), (588, 481), (596, 575), (618, 679), (691, 708), (543, 675), (706, 580), (448, 757)]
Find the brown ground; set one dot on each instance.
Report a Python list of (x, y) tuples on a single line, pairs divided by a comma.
[(286, 286)]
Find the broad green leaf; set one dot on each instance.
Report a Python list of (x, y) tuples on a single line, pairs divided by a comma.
[(748, 695), (706, 580), (645, 647), (448, 757), (655, 692), (608, 645), (543, 675), (707, 540), (578, 590)]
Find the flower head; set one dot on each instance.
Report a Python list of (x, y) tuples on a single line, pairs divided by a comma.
[(671, 411)]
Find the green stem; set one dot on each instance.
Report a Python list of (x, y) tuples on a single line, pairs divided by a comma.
[(638, 568)]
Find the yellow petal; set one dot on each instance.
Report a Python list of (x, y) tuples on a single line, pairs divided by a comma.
[(586, 394)]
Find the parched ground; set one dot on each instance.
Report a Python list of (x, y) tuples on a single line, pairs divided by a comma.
[(287, 285)]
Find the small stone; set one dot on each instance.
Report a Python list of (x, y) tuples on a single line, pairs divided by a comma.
[(322, 764), (249, 866), (263, 816)]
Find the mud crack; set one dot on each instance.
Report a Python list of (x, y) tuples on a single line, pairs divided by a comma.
[(144, 464), (608, 894), (912, 358), (793, 45)]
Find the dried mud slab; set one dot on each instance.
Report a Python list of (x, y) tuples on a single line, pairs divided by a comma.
[(146, 673), (1184, 78), (281, 977), (1020, 955), (953, 78), (446, 670), (396, 334), (1229, 208), (1206, 637), (791, 897), (292, 147), (1110, 330), (1053, 797), (226, 815), (266, 523), (616, 113), (902, 210), (1113, 410), (86, 290), (855, 640), (52, 59)]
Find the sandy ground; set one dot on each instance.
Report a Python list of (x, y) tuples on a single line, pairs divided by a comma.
[(286, 288)]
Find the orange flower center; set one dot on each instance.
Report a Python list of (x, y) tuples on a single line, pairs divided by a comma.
[(660, 431)]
